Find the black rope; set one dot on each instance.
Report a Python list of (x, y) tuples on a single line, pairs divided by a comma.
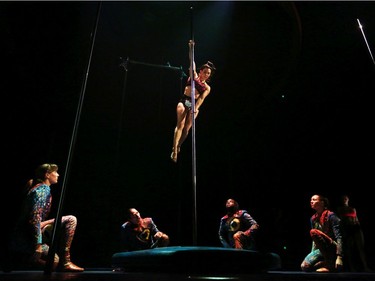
[(57, 225)]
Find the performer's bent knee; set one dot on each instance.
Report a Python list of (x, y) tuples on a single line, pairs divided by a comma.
[(305, 266)]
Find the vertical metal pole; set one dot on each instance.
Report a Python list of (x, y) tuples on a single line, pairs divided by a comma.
[(57, 225), (364, 37), (194, 170)]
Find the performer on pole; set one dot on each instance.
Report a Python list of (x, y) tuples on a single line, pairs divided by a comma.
[(184, 106)]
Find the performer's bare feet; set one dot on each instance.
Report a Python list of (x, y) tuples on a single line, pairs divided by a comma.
[(174, 157)]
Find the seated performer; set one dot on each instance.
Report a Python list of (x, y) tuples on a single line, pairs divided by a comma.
[(33, 231), (139, 233), (353, 237), (237, 228), (326, 252)]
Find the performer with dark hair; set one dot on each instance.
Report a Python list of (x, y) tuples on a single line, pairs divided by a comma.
[(237, 228), (326, 252), (184, 106), (354, 242), (33, 232), (139, 233)]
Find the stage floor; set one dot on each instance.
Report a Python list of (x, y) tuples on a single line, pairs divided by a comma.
[(110, 275)]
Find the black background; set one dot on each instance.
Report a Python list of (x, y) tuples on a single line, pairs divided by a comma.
[(289, 115)]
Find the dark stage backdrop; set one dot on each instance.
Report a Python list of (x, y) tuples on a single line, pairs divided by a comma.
[(289, 115)]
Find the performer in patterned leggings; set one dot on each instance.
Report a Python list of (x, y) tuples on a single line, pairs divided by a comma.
[(32, 235)]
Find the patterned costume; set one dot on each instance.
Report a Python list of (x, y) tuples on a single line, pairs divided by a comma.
[(139, 237), (29, 233), (199, 86), (186, 101), (326, 241), (238, 231)]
